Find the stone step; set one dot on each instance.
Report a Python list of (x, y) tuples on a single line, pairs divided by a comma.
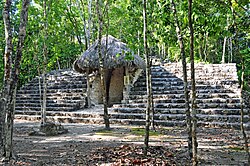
[(36, 91), (48, 104), (158, 100), (206, 111), (219, 105), (49, 101), (182, 105), (52, 99), (99, 120), (68, 73), (182, 100), (56, 113), (198, 69), (202, 85), (180, 89), (168, 76), (61, 96), (59, 86), (200, 77), (51, 95), (160, 92), (51, 82), (142, 84), (157, 105), (38, 108), (180, 95), (58, 78), (63, 119), (234, 125)]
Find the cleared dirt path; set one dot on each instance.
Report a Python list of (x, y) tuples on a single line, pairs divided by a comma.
[(90, 145)]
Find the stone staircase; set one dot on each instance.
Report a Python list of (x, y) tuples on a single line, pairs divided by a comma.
[(64, 94), (218, 97)]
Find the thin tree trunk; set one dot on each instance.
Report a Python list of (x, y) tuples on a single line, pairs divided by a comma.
[(108, 75), (245, 138), (87, 44), (11, 75), (152, 103), (44, 94), (86, 37), (184, 68), (224, 50), (45, 52), (89, 21), (138, 40), (39, 73), (101, 68), (88, 41), (108, 71), (5, 98), (88, 100), (148, 80), (193, 89), (230, 50), (205, 46)]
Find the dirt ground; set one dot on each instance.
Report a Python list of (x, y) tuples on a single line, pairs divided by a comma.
[(90, 145)]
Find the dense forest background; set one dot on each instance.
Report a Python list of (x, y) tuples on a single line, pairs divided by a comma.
[(221, 31)]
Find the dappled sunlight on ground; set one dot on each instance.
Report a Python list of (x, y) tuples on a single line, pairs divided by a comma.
[(216, 146)]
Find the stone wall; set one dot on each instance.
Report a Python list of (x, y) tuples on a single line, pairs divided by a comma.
[(115, 91), (116, 86)]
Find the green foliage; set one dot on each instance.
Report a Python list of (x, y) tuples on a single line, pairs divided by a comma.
[(236, 148), (213, 20)]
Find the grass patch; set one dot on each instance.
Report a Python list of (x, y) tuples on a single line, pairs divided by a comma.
[(104, 132), (141, 132), (236, 148)]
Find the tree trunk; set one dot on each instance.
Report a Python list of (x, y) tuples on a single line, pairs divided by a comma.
[(87, 44), (230, 50), (205, 46), (88, 100), (224, 50), (8, 95), (108, 75), (193, 88), (148, 80), (45, 54), (44, 94), (184, 68), (245, 138), (101, 68), (89, 31), (5, 98)]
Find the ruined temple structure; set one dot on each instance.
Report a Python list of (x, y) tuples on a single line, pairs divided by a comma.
[(119, 64), (218, 93)]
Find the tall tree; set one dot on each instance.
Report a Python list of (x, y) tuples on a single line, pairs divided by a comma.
[(148, 77), (241, 50), (245, 138), (87, 44), (45, 54), (99, 12), (184, 69), (11, 75), (193, 88)]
